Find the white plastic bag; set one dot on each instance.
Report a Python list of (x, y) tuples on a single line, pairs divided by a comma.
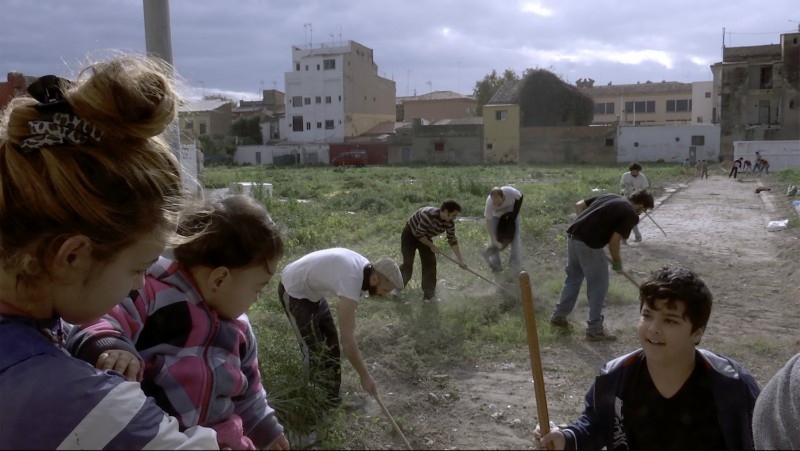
[(775, 226)]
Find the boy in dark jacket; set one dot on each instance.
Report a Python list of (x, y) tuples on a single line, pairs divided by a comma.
[(669, 394)]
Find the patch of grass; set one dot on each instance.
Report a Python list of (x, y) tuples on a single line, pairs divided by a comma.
[(403, 339)]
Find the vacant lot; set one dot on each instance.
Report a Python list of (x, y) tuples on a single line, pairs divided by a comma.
[(456, 374)]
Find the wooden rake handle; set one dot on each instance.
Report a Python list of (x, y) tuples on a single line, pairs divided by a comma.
[(533, 348), (389, 416)]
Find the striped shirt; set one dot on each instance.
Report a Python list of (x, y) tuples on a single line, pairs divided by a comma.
[(426, 222)]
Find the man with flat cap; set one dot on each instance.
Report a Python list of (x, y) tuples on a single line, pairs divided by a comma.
[(303, 290)]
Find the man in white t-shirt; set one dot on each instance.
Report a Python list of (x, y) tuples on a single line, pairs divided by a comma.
[(503, 225), (305, 285), (631, 181)]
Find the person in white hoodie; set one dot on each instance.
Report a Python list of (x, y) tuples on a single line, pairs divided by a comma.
[(631, 181)]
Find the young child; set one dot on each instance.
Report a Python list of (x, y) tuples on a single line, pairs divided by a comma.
[(669, 394), (88, 200), (185, 334)]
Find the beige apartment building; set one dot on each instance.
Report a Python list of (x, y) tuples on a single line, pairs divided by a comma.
[(649, 103), (435, 106)]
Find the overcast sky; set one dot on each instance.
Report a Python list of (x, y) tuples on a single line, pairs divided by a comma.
[(238, 47)]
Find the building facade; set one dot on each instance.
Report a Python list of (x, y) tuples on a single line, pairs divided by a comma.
[(757, 92), (667, 102), (201, 117), (334, 93), (435, 106)]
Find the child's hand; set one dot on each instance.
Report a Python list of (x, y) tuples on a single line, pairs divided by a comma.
[(552, 440), (120, 361), (280, 443)]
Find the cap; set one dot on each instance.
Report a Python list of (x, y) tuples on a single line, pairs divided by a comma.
[(389, 269)]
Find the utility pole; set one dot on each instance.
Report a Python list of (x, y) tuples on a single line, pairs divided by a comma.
[(158, 40)]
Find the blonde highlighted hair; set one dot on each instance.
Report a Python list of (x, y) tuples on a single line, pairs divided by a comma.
[(112, 190)]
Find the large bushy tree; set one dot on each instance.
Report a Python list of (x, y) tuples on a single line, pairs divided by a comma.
[(547, 100), (248, 130), (485, 89)]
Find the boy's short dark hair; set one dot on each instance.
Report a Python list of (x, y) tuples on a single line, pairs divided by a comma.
[(451, 206), (234, 232), (643, 198), (674, 284), (635, 166)]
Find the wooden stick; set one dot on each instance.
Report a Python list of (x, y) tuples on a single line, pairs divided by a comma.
[(480, 276), (533, 348), (389, 416), (654, 222), (624, 273)]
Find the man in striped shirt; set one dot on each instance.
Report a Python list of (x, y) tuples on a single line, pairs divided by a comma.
[(420, 229)]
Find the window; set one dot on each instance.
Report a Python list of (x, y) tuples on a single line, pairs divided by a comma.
[(317, 99), (319, 124), (604, 108), (679, 105), (306, 67), (329, 124), (501, 115), (327, 99), (340, 98), (609, 141), (307, 100), (297, 123), (698, 140), (489, 146), (188, 125), (202, 128), (699, 119), (329, 64), (297, 101), (439, 147), (308, 125), (708, 95), (297, 66), (641, 106), (317, 66), (765, 81)]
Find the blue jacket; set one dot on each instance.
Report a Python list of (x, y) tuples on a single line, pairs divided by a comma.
[(733, 388), (50, 400)]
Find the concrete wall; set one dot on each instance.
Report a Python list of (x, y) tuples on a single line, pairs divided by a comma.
[(585, 144), (670, 143), (303, 154), (438, 109), (457, 144), (779, 154)]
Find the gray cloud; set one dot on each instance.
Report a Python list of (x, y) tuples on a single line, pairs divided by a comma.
[(238, 46)]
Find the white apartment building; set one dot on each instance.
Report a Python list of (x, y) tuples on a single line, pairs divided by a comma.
[(334, 93)]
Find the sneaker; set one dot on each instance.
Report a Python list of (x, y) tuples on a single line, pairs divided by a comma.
[(560, 323), (637, 240), (603, 335)]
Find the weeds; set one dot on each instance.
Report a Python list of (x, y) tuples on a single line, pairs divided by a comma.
[(403, 339)]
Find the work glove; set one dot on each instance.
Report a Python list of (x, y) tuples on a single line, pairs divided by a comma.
[(616, 265)]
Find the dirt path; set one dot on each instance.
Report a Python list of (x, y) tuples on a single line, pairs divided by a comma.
[(715, 226)]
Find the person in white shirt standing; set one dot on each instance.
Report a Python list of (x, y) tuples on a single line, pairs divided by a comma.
[(631, 181)]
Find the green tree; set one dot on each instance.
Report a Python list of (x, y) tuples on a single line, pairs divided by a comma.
[(547, 100), (217, 148), (248, 130), (485, 89)]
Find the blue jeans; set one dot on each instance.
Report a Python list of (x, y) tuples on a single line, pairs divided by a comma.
[(636, 233), (591, 264), (515, 257)]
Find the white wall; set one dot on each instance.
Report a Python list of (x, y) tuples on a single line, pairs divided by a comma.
[(306, 153), (189, 167), (779, 154), (670, 143), (702, 106)]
